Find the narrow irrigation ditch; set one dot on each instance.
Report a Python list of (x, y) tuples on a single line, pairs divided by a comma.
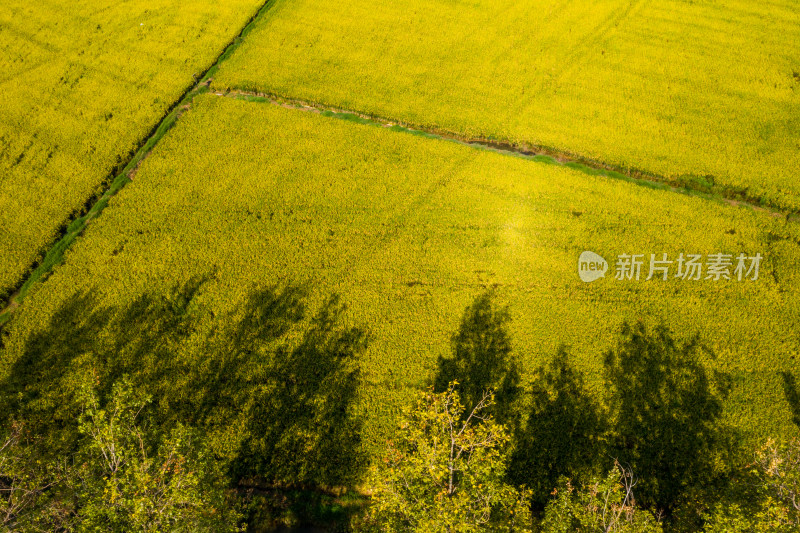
[(689, 185)]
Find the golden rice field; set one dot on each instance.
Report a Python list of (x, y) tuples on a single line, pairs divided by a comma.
[(409, 230), (704, 92), (82, 84)]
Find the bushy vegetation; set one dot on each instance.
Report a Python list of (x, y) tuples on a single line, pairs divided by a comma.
[(142, 435), (699, 92), (120, 476), (769, 497), (603, 504), (446, 472), (677, 466), (83, 84)]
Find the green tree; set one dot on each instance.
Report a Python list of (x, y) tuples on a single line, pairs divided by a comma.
[(30, 495), (445, 472), (779, 468), (265, 387), (124, 482), (603, 505), (776, 505)]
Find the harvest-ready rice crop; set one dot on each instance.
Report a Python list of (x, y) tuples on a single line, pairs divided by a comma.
[(705, 93), (81, 85), (408, 231)]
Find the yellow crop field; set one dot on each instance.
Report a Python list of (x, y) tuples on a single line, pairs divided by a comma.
[(82, 84), (704, 93), (255, 254), (408, 231)]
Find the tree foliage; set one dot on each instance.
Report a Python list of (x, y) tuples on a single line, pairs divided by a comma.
[(445, 472), (123, 476), (774, 504), (264, 396), (29, 486), (603, 505), (129, 479)]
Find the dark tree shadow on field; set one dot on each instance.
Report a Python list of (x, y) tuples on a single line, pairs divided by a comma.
[(482, 359), (667, 407), (145, 342), (219, 373), (792, 395), (242, 345), (564, 431), (33, 388), (301, 422)]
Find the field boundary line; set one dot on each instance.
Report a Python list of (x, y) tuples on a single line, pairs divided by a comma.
[(539, 153), (93, 206)]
